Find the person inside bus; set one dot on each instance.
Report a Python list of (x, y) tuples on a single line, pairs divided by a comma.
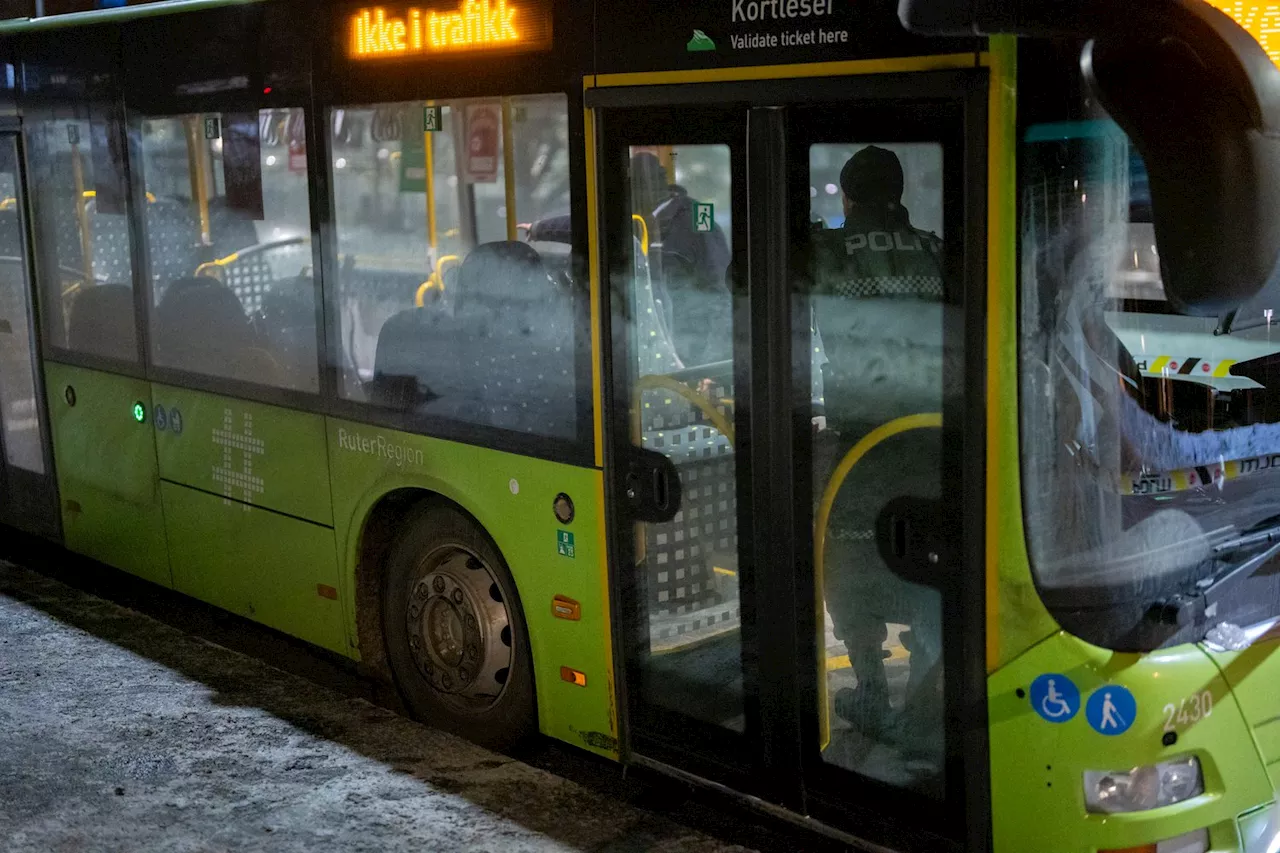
[(878, 298), (693, 269)]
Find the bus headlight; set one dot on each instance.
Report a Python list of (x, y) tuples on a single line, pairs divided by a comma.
[(1142, 788)]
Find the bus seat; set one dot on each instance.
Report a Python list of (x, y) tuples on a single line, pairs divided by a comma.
[(101, 322), (419, 366), (173, 240), (287, 324), (111, 255), (403, 361), (500, 272), (201, 326), (515, 338)]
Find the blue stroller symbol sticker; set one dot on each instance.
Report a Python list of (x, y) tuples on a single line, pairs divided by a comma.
[(1111, 710), (1055, 697)]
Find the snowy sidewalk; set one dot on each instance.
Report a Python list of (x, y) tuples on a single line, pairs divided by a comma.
[(119, 733)]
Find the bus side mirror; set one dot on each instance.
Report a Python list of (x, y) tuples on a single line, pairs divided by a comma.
[(1212, 161), (1200, 100)]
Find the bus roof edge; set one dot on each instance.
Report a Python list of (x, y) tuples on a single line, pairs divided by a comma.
[(109, 16)]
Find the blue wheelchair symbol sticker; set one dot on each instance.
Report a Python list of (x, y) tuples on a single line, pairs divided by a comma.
[(1111, 710), (1055, 697), (160, 418)]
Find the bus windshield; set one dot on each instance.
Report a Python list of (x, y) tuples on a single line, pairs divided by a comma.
[(1150, 439)]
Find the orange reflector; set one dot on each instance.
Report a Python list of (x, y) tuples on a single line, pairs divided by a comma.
[(326, 591), (573, 676), (563, 607)]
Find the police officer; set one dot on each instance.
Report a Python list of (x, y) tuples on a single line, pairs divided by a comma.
[(878, 290)]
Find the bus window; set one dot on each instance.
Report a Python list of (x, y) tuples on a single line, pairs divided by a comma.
[(228, 225), (878, 301), (81, 230), (454, 290)]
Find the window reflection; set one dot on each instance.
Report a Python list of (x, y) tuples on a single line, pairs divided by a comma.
[(675, 311), (455, 290), (81, 234), (229, 246)]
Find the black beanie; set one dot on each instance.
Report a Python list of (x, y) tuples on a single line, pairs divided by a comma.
[(873, 176)]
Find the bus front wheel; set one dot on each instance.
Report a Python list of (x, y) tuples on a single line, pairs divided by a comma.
[(455, 633)]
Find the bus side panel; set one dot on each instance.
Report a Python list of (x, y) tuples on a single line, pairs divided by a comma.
[(107, 473), (1253, 675), (1039, 758), (512, 497), (261, 455), (259, 564)]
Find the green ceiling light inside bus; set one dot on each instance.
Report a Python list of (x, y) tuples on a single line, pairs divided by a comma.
[(139, 412), (1142, 788)]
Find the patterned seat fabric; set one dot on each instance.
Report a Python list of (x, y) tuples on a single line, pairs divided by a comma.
[(502, 354), (685, 593), (686, 596), (101, 322), (201, 326)]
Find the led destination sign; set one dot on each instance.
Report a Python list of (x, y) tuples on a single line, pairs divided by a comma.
[(474, 25)]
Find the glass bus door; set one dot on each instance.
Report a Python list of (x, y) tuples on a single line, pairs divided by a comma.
[(27, 492), (796, 457), (678, 315)]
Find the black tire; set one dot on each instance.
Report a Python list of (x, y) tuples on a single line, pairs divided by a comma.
[(434, 649)]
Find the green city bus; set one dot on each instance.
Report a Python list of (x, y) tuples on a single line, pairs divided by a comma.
[(525, 354)]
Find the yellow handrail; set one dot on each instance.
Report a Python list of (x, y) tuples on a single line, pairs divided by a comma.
[(853, 457), (214, 268), (445, 259), (151, 197), (435, 282), (644, 233), (655, 381)]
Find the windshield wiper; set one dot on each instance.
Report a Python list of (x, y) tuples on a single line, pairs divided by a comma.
[(1184, 608)]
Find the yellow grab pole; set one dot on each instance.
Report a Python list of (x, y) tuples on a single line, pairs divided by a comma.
[(509, 168), (199, 188), (82, 214), (428, 157)]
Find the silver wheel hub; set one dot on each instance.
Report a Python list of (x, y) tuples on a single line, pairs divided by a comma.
[(459, 629)]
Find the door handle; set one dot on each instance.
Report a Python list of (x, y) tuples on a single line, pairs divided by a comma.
[(651, 486), (917, 540), (661, 489)]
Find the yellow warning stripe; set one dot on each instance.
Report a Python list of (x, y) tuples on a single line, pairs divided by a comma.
[(1198, 477), (1168, 364)]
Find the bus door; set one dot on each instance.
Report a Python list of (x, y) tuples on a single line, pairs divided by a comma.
[(786, 284), (28, 498)]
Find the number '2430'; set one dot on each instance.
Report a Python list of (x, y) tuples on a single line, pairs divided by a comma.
[(1192, 709)]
